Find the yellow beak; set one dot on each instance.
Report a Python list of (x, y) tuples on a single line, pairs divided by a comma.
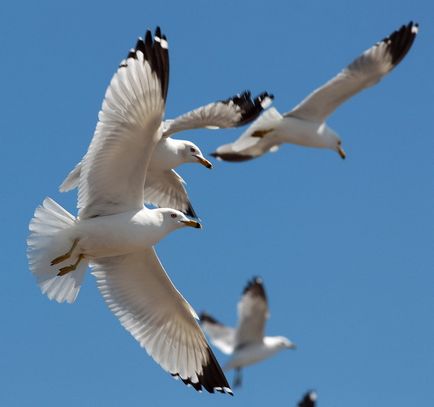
[(341, 152), (192, 223), (203, 161)]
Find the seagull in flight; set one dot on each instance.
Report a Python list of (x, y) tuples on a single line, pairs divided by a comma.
[(305, 124), (246, 344), (164, 186), (115, 233)]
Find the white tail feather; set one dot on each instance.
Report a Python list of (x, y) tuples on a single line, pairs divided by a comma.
[(48, 239)]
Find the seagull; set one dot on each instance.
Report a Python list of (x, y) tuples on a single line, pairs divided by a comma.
[(246, 344), (164, 186), (115, 234), (309, 400), (305, 124)]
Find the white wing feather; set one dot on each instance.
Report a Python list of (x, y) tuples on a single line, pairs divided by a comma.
[(113, 170)]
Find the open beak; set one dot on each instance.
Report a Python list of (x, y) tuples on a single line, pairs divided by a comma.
[(203, 161), (192, 223), (341, 152)]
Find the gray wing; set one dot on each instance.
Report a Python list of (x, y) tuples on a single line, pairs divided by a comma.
[(233, 112), (223, 337), (365, 71), (252, 313), (166, 189), (138, 291), (114, 168)]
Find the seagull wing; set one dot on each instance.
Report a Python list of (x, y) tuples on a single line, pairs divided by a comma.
[(252, 313), (233, 112), (114, 168), (139, 292), (166, 189), (223, 337), (365, 71)]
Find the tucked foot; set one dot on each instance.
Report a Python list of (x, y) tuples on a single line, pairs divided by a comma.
[(72, 267), (65, 256)]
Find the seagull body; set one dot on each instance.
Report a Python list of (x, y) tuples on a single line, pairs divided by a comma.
[(116, 234), (246, 344), (305, 124), (164, 186)]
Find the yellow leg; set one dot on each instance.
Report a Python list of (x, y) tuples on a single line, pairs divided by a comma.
[(72, 267), (65, 256)]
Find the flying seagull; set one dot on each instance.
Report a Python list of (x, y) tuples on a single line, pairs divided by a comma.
[(115, 234), (305, 124), (164, 186), (308, 400), (246, 344)]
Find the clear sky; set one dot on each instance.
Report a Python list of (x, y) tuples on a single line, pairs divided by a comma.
[(345, 247)]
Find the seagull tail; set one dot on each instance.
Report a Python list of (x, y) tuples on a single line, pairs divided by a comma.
[(48, 238)]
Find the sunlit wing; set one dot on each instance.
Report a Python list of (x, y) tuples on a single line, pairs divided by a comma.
[(114, 168), (252, 313), (233, 112), (221, 336), (365, 71), (139, 292)]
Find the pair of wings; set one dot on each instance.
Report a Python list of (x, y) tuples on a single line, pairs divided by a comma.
[(113, 174), (166, 188), (365, 71), (252, 314)]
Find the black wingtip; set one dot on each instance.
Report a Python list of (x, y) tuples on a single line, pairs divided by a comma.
[(255, 287), (155, 51), (212, 378), (250, 108), (205, 317), (190, 212), (232, 157), (308, 400), (400, 41)]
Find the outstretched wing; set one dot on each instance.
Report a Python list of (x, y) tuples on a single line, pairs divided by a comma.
[(252, 313), (114, 168), (139, 292), (365, 71), (233, 112), (223, 337)]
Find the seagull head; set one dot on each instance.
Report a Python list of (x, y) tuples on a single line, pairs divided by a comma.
[(279, 342), (331, 140), (174, 219), (192, 154)]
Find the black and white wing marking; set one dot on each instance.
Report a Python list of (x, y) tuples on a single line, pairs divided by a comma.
[(252, 313), (166, 189), (365, 71), (138, 291), (114, 168), (233, 112), (309, 400), (223, 337)]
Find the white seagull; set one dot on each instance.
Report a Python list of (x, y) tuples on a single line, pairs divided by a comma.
[(164, 186), (308, 400), (115, 233), (305, 124), (246, 344)]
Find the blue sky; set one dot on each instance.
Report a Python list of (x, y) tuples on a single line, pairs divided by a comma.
[(345, 247)]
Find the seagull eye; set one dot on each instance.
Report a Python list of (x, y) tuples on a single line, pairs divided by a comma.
[(173, 215), (193, 150)]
